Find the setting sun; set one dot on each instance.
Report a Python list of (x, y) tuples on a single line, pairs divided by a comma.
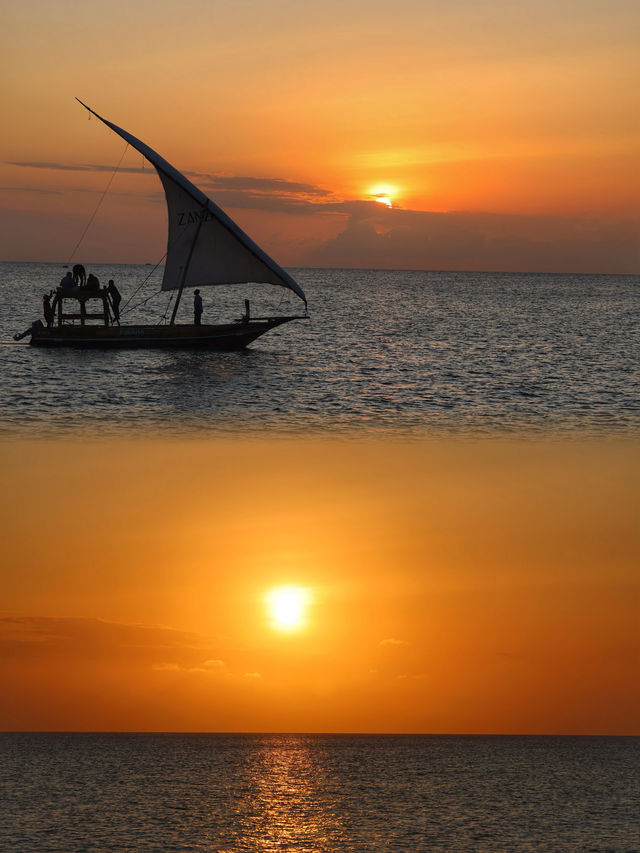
[(287, 607), (382, 194)]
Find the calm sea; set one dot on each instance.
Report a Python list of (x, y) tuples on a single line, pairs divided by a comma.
[(305, 793), (384, 351)]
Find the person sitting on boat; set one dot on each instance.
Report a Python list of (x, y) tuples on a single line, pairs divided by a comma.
[(116, 298), (79, 275), (93, 283), (197, 307), (47, 309), (67, 281)]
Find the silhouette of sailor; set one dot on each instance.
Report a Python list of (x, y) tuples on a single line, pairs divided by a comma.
[(197, 307), (47, 309), (79, 275), (116, 298), (67, 281)]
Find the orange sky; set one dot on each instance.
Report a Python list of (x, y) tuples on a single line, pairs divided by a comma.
[(456, 586), (291, 115)]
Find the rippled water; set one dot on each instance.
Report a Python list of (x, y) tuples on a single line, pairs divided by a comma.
[(384, 351), (236, 793)]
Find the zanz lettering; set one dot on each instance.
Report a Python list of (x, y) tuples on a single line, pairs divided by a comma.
[(190, 216)]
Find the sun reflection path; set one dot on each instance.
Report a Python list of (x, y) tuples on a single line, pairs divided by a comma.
[(289, 807)]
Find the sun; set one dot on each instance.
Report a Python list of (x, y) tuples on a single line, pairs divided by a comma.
[(382, 195), (287, 606)]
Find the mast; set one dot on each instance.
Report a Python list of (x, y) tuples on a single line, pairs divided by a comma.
[(184, 272)]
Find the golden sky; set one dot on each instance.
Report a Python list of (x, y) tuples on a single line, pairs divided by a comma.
[(446, 586), (449, 586), (504, 134)]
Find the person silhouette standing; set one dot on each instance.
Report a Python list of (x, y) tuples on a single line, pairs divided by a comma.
[(116, 298), (48, 310), (197, 307), (79, 275)]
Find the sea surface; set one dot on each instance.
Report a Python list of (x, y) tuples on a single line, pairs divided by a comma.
[(384, 351), (310, 793)]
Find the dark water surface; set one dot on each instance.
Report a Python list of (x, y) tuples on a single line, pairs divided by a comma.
[(318, 793), (385, 351)]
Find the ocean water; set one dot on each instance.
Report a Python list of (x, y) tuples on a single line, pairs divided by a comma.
[(384, 351), (67, 793)]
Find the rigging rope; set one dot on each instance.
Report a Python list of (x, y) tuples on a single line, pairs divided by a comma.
[(126, 310), (93, 215), (166, 310)]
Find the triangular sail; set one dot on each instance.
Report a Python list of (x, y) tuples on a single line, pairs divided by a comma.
[(222, 253)]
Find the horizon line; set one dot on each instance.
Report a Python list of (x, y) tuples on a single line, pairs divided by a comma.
[(68, 265), (212, 733)]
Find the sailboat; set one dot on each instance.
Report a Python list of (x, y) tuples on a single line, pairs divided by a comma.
[(204, 248)]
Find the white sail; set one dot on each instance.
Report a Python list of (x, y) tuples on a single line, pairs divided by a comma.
[(205, 247)]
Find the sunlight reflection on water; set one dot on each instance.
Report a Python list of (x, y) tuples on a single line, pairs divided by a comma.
[(287, 809)]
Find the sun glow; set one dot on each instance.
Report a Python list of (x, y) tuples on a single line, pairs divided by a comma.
[(287, 607), (383, 194)]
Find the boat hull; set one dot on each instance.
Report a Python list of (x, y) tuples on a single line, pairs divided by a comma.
[(228, 336)]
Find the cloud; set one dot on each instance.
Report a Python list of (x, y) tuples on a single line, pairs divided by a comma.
[(245, 192), (278, 186), (77, 674), (410, 239), (236, 190), (79, 644), (277, 195), (213, 664), (243, 200), (242, 183), (80, 167), (207, 666), (30, 190), (80, 640), (391, 641)]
